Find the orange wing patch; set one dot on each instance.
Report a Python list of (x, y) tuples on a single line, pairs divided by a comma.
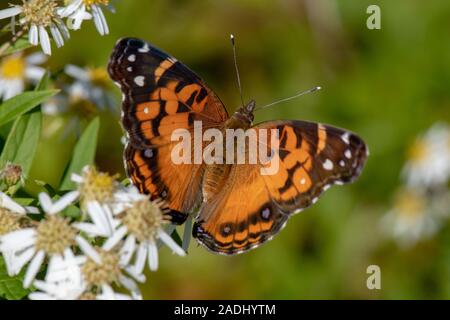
[(241, 216)]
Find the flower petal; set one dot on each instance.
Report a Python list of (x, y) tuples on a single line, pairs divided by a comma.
[(170, 243), (33, 268), (88, 249), (45, 201), (64, 202), (152, 255), (33, 35), (10, 204), (10, 12), (115, 238), (45, 41)]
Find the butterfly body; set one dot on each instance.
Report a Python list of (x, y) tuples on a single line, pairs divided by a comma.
[(240, 205), (216, 174)]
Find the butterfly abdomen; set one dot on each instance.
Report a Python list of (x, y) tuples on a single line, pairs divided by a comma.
[(216, 174), (214, 179)]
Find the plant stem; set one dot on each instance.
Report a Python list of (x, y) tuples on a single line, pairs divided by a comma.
[(10, 43)]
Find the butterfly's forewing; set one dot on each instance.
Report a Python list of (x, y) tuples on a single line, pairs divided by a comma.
[(160, 95), (254, 207)]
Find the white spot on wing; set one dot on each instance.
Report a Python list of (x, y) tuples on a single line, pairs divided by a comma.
[(130, 69), (148, 153), (266, 213), (303, 181), (146, 110), (345, 137), (140, 81), (132, 58), (144, 49), (342, 163), (328, 165), (348, 154)]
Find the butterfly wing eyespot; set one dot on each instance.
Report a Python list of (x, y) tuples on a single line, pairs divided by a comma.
[(253, 207), (160, 95)]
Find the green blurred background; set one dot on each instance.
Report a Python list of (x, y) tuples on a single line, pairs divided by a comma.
[(387, 85)]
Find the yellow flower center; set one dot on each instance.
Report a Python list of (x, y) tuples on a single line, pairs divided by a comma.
[(418, 151), (99, 77), (87, 296), (410, 204), (13, 67), (39, 12), (9, 221), (97, 186), (91, 2), (107, 272), (144, 219), (55, 234)]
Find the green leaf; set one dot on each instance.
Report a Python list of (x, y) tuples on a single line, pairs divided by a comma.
[(11, 287), (14, 107), (19, 45), (83, 154), (48, 188), (22, 141), (175, 236), (43, 83)]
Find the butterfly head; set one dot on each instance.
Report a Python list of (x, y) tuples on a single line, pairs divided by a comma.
[(245, 113)]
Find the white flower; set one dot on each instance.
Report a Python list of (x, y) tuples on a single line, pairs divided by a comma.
[(63, 280), (91, 84), (66, 280), (52, 237), (415, 216), (16, 70), (95, 186), (103, 224), (78, 11), (141, 226), (102, 189), (429, 161), (11, 214), (39, 16), (104, 267)]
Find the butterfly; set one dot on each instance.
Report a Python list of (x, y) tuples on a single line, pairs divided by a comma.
[(238, 208)]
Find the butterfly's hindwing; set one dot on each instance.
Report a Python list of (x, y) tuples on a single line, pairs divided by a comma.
[(313, 157), (254, 207)]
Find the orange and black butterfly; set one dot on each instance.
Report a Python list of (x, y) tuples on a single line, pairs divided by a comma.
[(238, 207)]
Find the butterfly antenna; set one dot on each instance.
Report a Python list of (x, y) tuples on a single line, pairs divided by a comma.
[(290, 98), (238, 78)]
